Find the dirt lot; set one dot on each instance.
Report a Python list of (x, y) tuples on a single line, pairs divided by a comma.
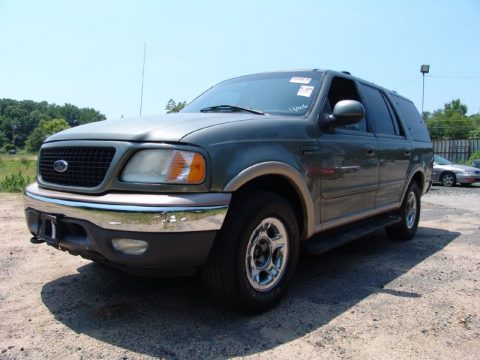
[(373, 299)]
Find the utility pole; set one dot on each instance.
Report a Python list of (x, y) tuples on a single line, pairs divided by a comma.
[(143, 76)]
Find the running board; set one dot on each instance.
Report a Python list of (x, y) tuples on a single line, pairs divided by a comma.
[(330, 239)]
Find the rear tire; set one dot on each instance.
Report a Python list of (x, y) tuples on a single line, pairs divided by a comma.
[(410, 215), (255, 254)]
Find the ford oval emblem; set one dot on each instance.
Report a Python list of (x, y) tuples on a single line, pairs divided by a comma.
[(60, 166)]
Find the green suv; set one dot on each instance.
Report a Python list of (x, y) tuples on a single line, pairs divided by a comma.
[(235, 184)]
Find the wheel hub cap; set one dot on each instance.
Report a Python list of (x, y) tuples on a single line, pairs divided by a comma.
[(411, 210), (267, 254)]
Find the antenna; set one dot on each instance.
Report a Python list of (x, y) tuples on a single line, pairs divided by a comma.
[(143, 76)]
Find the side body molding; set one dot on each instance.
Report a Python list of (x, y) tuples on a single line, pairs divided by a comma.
[(288, 172)]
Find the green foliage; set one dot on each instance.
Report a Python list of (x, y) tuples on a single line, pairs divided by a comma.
[(18, 119), (15, 182), (7, 148), (455, 107), (474, 134), (24, 161), (44, 130), (475, 120), (474, 156), (9, 164), (451, 122), (16, 171), (458, 126), (3, 140), (173, 107)]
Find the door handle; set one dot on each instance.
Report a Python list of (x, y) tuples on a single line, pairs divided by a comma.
[(407, 153), (369, 150)]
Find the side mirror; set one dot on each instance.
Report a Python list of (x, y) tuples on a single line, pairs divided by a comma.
[(347, 112)]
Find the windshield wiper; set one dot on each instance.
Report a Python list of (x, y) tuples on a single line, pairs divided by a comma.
[(231, 108)]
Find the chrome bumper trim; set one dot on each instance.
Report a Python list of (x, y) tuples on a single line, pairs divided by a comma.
[(126, 217)]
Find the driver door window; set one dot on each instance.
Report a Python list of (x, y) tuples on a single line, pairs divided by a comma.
[(344, 89)]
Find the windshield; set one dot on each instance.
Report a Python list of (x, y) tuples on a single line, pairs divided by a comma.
[(288, 93), (440, 160)]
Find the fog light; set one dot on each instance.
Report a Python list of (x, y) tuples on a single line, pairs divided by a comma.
[(130, 246)]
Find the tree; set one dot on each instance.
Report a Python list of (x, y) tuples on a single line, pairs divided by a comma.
[(458, 126), (71, 114), (173, 107), (476, 120), (18, 119), (474, 134), (45, 129), (435, 127), (427, 115), (451, 122), (88, 115), (455, 107), (3, 140)]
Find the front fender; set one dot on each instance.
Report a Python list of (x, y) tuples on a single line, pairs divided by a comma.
[(286, 171)]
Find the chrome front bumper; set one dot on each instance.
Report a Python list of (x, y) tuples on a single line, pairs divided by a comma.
[(148, 213)]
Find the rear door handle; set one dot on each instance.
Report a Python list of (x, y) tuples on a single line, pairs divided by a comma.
[(369, 150)]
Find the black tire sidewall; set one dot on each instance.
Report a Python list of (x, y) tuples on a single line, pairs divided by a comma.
[(400, 230), (411, 232), (275, 207)]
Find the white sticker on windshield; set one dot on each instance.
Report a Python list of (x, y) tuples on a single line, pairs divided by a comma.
[(300, 80), (305, 91)]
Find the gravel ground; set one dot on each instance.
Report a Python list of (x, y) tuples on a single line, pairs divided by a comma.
[(372, 299)]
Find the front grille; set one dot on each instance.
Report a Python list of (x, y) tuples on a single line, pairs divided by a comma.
[(87, 166)]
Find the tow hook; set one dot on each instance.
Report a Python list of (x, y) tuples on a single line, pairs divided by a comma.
[(36, 240)]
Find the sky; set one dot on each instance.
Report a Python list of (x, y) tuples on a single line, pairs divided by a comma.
[(90, 53)]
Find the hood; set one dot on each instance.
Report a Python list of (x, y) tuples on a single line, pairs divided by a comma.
[(169, 127)]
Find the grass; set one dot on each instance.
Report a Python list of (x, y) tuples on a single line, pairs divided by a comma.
[(16, 171)]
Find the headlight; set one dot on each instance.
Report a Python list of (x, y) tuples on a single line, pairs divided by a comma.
[(165, 166), (464, 172)]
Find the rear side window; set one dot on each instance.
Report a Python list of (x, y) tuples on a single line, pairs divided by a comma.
[(378, 110), (412, 118)]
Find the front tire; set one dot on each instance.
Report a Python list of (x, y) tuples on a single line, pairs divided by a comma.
[(255, 253), (410, 216), (448, 179)]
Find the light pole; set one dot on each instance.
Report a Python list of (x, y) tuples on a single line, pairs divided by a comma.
[(424, 69)]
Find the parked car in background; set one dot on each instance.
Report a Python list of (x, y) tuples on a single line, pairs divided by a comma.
[(449, 174)]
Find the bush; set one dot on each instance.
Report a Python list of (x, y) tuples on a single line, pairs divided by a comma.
[(7, 148), (15, 182), (474, 156), (25, 161)]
